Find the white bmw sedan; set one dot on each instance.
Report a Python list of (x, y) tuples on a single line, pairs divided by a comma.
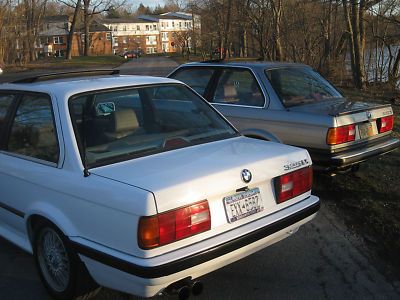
[(138, 183)]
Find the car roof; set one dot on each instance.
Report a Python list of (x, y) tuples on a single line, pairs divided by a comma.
[(248, 64), (65, 87)]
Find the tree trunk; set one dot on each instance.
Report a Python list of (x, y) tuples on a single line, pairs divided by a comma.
[(86, 23), (394, 76), (224, 51), (72, 31), (356, 48), (277, 15)]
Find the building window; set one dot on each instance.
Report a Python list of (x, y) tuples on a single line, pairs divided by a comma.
[(180, 24), (108, 36), (116, 28), (154, 27), (164, 36), (151, 40), (124, 28), (124, 39), (138, 39), (137, 27), (173, 24), (174, 34), (58, 40), (147, 27), (83, 37), (115, 41), (162, 25), (149, 50), (155, 50), (59, 53), (165, 47)]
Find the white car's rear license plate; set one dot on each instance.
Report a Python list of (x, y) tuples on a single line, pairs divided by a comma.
[(243, 204), (365, 130)]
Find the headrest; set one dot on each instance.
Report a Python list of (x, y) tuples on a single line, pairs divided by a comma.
[(229, 91), (125, 120)]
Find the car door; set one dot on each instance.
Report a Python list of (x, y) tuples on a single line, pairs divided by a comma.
[(237, 94), (29, 156)]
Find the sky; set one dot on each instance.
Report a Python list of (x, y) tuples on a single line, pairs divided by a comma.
[(150, 3)]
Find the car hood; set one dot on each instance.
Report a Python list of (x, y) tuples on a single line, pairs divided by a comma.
[(336, 107), (191, 174)]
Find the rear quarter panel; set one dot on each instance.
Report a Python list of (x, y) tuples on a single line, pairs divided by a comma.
[(298, 129)]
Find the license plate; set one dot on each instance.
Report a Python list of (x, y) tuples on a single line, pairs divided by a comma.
[(365, 130), (243, 204)]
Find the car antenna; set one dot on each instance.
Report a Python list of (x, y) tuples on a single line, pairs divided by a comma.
[(86, 172)]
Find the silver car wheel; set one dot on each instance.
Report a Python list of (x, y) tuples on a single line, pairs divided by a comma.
[(53, 259)]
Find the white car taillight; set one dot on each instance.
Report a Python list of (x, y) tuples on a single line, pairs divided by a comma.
[(293, 184), (174, 225)]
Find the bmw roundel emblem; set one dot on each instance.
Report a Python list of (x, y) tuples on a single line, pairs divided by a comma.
[(246, 175)]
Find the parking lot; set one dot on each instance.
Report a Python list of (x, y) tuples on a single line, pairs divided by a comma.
[(324, 260)]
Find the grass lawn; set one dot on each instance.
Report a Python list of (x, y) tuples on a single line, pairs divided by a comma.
[(50, 63)]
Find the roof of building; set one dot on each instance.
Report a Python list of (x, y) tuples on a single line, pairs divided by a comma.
[(168, 16), (180, 15), (56, 19), (123, 20), (95, 27)]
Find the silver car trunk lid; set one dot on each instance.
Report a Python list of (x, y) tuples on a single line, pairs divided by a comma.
[(340, 107)]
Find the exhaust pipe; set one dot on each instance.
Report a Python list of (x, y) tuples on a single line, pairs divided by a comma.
[(183, 292), (184, 288), (197, 288)]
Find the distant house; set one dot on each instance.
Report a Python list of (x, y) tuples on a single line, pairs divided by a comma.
[(100, 41), (169, 32), (53, 36)]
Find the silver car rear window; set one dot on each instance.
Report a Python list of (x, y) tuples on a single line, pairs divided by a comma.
[(300, 85)]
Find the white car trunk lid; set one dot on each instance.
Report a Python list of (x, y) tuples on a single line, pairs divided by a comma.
[(208, 171)]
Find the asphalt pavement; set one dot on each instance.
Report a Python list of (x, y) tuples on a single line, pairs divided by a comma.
[(323, 260)]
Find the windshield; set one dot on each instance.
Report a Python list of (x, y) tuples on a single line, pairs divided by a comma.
[(118, 125), (299, 86)]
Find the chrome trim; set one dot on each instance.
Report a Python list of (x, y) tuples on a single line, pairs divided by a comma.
[(371, 149), (30, 158)]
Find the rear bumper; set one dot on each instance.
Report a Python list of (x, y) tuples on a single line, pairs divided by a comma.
[(350, 157), (126, 276)]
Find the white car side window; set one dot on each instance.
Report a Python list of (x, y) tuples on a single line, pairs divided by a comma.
[(5, 102), (33, 132)]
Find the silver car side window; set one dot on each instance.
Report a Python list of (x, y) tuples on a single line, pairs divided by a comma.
[(238, 86)]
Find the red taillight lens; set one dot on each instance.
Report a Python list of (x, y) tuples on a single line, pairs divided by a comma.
[(174, 225), (293, 184), (339, 135), (385, 124)]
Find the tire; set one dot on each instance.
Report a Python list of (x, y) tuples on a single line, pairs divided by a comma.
[(55, 261)]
